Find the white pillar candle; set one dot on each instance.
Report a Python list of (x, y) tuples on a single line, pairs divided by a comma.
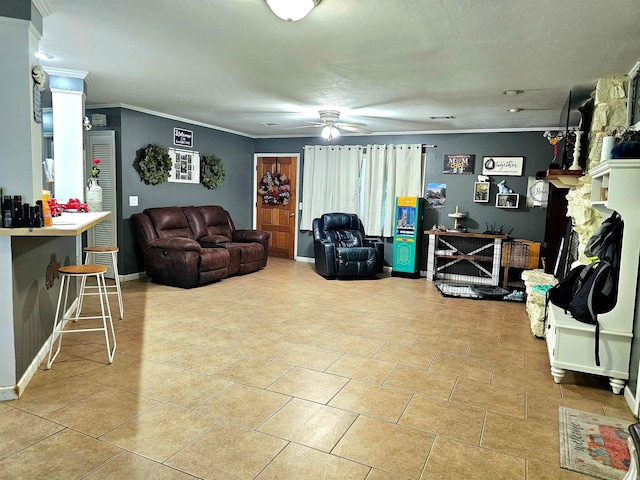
[(607, 145)]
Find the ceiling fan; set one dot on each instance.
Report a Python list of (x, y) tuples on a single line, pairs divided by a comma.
[(331, 127)]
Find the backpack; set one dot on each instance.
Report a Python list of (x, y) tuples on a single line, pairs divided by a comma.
[(588, 290)]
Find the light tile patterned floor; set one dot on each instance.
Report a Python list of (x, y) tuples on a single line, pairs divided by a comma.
[(283, 374)]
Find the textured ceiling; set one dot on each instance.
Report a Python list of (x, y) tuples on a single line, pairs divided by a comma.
[(391, 64)]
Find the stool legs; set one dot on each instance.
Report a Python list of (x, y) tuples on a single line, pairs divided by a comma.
[(114, 262), (61, 317)]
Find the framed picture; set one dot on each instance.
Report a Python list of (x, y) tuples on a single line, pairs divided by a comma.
[(507, 200), (481, 191), (459, 164), (186, 166), (182, 137), (502, 166)]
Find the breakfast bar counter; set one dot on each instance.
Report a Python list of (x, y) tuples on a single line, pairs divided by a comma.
[(28, 291)]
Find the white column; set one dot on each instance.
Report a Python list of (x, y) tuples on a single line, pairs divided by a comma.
[(68, 111)]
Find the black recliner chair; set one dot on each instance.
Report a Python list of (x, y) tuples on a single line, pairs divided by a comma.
[(341, 248)]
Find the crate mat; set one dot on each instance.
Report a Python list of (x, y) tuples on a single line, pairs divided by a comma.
[(480, 292)]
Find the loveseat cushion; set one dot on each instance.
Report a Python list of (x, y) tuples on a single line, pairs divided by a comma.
[(213, 240), (216, 222), (213, 259), (169, 222)]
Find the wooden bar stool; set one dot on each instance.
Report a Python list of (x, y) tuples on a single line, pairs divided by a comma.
[(82, 272), (111, 289)]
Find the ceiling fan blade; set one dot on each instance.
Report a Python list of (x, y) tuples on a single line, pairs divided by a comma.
[(351, 124), (350, 128), (315, 125)]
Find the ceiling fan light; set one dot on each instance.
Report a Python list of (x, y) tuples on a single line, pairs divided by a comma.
[(292, 10), (329, 132)]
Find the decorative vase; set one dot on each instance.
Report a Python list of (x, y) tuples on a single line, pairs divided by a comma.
[(607, 145), (93, 195)]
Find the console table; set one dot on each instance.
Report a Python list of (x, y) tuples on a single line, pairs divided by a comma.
[(570, 343), (471, 258)]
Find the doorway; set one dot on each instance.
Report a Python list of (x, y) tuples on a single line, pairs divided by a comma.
[(280, 219), (102, 145)]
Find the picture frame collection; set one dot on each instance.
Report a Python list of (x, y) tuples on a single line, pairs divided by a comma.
[(504, 166)]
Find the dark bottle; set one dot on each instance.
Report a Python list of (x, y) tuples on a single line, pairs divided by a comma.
[(38, 221), (27, 220), (7, 212), (17, 211)]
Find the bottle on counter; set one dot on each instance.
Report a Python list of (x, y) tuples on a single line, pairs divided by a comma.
[(7, 212), (46, 212), (17, 211)]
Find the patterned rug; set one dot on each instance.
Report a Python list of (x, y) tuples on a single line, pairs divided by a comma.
[(593, 444)]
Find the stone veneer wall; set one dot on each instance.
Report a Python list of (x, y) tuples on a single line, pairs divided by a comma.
[(610, 109)]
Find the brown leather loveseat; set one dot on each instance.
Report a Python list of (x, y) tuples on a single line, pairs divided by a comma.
[(191, 246)]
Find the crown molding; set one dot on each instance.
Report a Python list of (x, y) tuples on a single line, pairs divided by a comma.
[(43, 6), (65, 72), (167, 116)]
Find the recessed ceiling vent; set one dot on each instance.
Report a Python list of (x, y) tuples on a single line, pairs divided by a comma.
[(270, 124), (442, 117)]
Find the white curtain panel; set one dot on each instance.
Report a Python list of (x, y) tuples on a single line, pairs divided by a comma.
[(392, 171), (330, 181), (374, 185)]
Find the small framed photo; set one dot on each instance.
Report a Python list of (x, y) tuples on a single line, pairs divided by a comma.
[(507, 200), (481, 191)]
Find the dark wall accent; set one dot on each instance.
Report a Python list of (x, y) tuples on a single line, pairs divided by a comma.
[(135, 130), (16, 9), (34, 306), (528, 223)]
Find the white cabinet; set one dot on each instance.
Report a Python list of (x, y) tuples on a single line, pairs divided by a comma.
[(615, 186)]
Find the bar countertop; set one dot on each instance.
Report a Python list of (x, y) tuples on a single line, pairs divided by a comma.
[(66, 225)]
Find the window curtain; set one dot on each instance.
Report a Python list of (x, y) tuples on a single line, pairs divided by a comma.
[(330, 181), (392, 171)]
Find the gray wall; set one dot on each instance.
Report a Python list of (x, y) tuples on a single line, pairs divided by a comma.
[(34, 306), (528, 223), (135, 130)]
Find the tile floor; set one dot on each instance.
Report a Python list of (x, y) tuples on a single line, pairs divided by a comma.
[(282, 374)]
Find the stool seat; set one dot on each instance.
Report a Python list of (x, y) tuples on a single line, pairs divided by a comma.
[(101, 249), (82, 269), (63, 316), (113, 252)]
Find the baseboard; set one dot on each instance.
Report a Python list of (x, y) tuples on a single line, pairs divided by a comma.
[(631, 401), (132, 276), (31, 370), (305, 259)]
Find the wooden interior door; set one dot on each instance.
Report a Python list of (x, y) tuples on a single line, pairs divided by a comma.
[(279, 220)]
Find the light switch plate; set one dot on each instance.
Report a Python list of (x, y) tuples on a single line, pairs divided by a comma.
[(133, 200)]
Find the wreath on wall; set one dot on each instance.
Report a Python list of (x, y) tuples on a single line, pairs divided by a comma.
[(275, 188), (153, 164), (211, 171)]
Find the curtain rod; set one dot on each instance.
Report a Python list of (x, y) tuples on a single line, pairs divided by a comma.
[(424, 145)]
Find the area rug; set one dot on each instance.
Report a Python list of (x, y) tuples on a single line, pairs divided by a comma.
[(594, 444), (480, 292)]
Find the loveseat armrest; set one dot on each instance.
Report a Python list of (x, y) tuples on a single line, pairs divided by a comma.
[(324, 252), (175, 243), (243, 236)]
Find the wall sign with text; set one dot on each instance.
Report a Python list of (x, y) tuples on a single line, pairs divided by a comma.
[(459, 164), (182, 137), (505, 166)]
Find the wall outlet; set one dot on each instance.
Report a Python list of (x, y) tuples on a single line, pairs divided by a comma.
[(133, 200)]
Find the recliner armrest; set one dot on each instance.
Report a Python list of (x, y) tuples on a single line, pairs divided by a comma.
[(244, 236), (324, 252), (175, 243)]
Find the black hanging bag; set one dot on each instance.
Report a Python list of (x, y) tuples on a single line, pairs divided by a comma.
[(588, 290)]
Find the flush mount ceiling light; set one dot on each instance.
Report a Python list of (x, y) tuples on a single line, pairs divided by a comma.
[(292, 10), (514, 110), (513, 93)]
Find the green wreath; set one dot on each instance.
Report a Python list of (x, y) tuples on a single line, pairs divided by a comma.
[(153, 164), (211, 171)]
